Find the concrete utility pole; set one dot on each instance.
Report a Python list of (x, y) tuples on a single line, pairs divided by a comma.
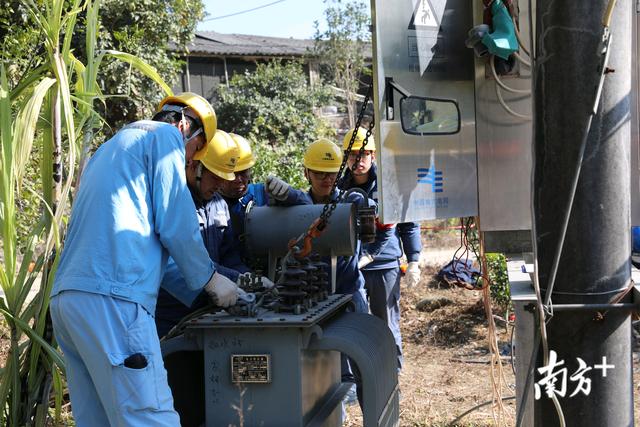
[(594, 267)]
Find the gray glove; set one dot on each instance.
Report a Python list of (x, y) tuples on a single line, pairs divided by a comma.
[(277, 188), (222, 291), (364, 260), (412, 275)]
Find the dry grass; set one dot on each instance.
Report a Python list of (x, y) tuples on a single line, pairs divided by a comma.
[(445, 353)]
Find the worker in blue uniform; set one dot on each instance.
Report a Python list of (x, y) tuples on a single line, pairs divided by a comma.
[(205, 175), (241, 191), (322, 161), (132, 210), (379, 261)]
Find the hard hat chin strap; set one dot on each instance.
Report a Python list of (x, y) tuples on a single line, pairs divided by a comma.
[(193, 135), (180, 109)]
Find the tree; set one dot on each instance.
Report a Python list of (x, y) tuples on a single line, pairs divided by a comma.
[(45, 110), (274, 108), (144, 28), (341, 48), (123, 93)]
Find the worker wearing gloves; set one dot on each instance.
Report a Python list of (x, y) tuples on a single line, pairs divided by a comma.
[(322, 161), (131, 211), (211, 167), (409, 234), (379, 261)]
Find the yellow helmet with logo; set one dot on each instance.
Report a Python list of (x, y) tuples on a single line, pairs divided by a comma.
[(323, 156), (245, 158), (201, 106), (357, 143), (220, 155)]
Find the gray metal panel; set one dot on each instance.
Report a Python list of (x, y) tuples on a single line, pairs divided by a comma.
[(297, 383), (635, 121), (504, 143), (522, 294), (428, 60), (369, 344), (267, 318)]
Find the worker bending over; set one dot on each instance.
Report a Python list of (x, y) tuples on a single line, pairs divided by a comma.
[(212, 166), (132, 210), (379, 261)]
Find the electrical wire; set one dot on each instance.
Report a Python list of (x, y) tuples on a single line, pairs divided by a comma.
[(521, 60), (508, 109), (464, 414), (242, 11), (519, 37), (468, 227), (498, 379)]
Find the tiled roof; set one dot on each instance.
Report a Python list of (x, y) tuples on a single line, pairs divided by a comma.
[(212, 43)]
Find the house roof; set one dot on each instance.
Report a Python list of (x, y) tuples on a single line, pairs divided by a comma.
[(212, 43)]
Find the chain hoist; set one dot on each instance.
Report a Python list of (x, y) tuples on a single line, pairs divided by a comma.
[(328, 209), (323, 220)]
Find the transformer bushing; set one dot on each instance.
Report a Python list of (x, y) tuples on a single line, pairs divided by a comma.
[(321, 277), (291, 296)]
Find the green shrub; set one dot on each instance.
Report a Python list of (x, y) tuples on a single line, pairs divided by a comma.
[(499, 280), (273, 107)]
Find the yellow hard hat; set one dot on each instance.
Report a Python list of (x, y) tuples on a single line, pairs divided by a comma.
[(323, 156), (357, 144), (220, 155), (246, 158), (200, 105)]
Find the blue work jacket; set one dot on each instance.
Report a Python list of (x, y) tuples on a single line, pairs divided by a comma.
[(387, 247), (133, 209)]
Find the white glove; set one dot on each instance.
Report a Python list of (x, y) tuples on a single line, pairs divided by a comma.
[(364, 260), (222, 291), (412, 275), (277, 188)]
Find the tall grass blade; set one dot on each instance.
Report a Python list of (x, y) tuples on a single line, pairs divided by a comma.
[(25, 129)]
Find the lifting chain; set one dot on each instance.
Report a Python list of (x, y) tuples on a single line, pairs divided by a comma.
[(328, 209), (323, 220)]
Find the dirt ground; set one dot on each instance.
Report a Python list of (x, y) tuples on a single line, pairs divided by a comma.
[(447, 370), (446, 353)]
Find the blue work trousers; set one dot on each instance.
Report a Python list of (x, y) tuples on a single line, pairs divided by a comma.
[(383, 290), (98, 336)]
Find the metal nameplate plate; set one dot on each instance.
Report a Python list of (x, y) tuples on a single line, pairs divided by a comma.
[(251, 368)]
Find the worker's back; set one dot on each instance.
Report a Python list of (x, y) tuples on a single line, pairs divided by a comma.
[(132, 204)]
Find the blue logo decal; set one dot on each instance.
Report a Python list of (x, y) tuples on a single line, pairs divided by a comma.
[(433, 177)]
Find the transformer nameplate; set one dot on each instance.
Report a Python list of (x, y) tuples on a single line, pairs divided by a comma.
[(251, 368)]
